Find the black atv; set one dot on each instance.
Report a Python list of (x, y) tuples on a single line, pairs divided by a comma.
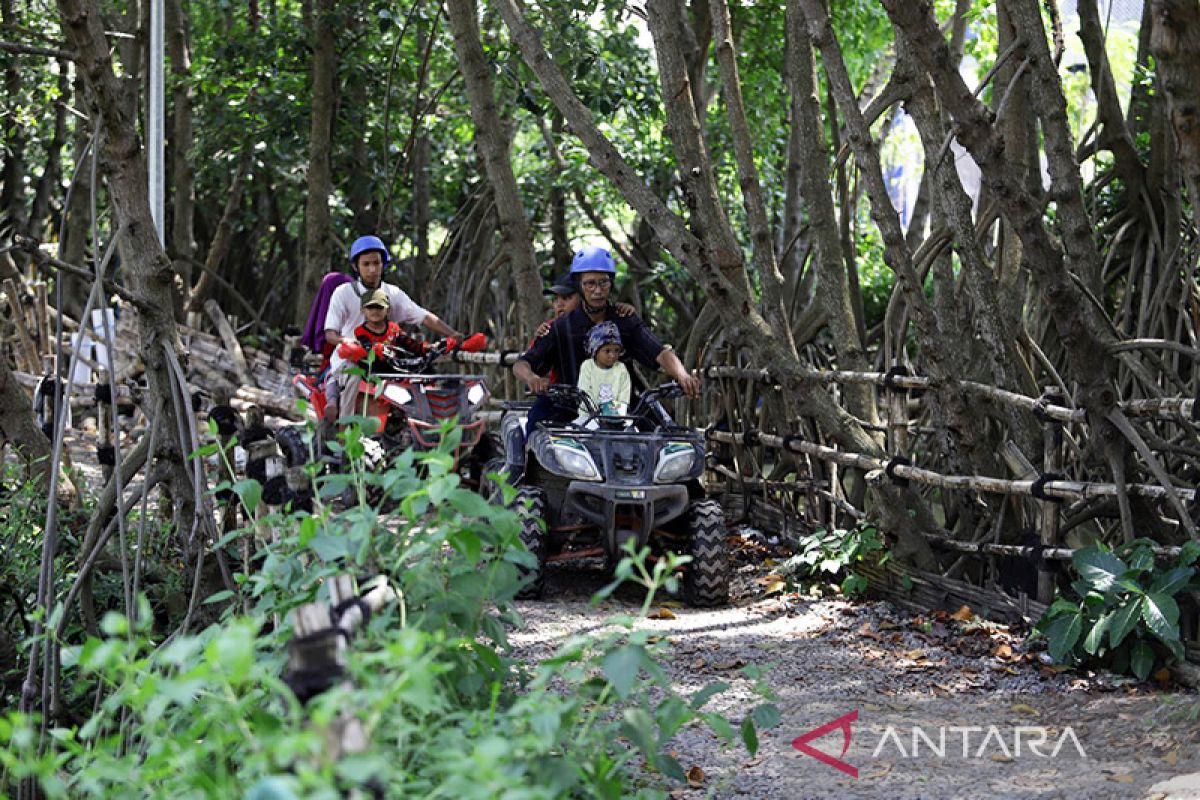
[(586, 487)]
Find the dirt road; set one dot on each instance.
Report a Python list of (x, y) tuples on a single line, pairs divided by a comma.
[(935, 707)]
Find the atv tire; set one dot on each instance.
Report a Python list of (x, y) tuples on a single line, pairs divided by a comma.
[(530, 505), (488, 488), (706, 578)]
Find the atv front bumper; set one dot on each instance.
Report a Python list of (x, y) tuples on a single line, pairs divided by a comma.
[(639, 508)]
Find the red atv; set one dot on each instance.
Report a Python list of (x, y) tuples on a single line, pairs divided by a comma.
[(410, 403)]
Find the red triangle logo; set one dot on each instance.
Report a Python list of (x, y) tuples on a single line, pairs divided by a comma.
[(842, 723)]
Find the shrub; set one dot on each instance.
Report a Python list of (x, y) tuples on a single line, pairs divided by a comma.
[(1123, 615), (445, 707)]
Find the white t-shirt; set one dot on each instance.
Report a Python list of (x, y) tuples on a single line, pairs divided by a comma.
[(345, 310), (608, 388)]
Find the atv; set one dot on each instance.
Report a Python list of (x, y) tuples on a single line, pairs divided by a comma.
[(587, 487), (408, 404)]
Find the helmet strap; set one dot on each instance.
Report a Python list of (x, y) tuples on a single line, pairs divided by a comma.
[(591, 310)]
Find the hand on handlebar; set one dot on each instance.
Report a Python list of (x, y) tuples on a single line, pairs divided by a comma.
[(538, 384), (690, 385), (351, 350), (474, 343)]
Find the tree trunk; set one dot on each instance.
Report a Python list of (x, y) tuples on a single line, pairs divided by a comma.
[(833, 292), (493, 145), (1175, 41), (12, 176), (17, 427), (183, 172), (49, 185), (318, 235), (75, 226)]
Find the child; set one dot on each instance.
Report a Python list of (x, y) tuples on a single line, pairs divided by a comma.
[(603, 376), (375, 334)]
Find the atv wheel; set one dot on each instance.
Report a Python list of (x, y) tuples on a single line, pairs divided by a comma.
[(488, 488), (533, 536), (706, 578)]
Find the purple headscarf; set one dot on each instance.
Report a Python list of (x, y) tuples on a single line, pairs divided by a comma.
[(314, 329)]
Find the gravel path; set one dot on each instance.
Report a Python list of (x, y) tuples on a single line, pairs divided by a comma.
[(908, 678)]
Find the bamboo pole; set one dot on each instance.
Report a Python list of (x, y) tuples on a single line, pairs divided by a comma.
[(1048, 527), (1066, 489)]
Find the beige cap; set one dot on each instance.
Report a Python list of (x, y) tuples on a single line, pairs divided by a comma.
[(376, 297)]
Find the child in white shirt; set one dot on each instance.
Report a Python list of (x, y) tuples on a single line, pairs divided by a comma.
[(603, 376)]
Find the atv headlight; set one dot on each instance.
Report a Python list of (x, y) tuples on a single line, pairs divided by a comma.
[(575, 461), (476, 394), (675, 463), (397, 395)]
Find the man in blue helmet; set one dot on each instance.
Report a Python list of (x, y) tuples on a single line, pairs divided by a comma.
[(368, 258), (564, 347)]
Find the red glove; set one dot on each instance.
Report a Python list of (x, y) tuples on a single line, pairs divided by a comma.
[(450, 343), (380, 350), (474, 343), (352, 351)]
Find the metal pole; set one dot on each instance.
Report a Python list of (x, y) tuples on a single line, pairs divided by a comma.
[(155, 111)]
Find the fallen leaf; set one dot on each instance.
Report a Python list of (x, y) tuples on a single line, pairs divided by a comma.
[(767, 580), (695, 776), (699, 663), (662, 613), (963, 614), (865, 630), (1024, 708), (913, 655), (1002, 651), (888, 626), (1001, 757), (774, 586), (1172, 758), (735, 664), (1124, 777), (1162, 677)]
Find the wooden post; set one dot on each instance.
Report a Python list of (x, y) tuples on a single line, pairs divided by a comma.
[(41, 315), (27, 353), (897, 403), (1052, 461), (229, 339)]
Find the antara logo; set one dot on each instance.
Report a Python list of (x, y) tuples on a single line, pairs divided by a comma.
[(1036, 740)]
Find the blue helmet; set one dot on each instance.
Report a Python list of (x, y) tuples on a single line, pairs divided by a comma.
[(602, 334), (365, 244), (593, 259)]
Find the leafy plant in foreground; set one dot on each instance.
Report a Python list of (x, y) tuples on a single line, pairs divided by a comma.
[(1126, 617), (446, 708)]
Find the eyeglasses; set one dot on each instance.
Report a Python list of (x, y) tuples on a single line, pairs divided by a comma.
[(598, 283)]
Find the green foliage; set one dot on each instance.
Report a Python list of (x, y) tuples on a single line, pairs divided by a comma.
[(1123, 615), (832, 553), (446, 709)]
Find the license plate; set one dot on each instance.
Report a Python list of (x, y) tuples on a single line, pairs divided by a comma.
[(631, 494)]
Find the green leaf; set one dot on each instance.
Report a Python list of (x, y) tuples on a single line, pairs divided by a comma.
[(749, 735), (1124, 621), (1141, 660), (1189, 553), (250, 492), (621, 668), (1171, 581), (720, 726), (1161, 615), (638, 727), (1095, 637), (1062, 634), (707, 693), (1099, 568), (766, 716), (218, 597)]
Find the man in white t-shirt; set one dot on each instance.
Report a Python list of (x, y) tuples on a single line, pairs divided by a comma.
[(368, 257)]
